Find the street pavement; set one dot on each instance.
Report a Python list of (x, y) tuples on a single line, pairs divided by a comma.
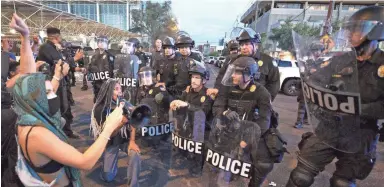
[(286, 106)]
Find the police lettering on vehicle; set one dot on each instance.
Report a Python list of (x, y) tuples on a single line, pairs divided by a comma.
[(339, 102), (157, 130), (128, 82), (187, 145), (98, 76), (234, 166)]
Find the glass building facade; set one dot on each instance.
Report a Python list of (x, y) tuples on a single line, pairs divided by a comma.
[(110, 13), (84, 9), (57, 5), (113, 14)]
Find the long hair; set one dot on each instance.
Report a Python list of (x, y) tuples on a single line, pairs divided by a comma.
[(104, 99)]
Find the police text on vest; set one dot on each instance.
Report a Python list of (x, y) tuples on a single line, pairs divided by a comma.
[(98, 76)]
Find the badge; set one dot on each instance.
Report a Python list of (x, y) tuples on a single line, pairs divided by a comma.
[(105, 56), (260, 63), (274, 63), (252, 88), (380, 71), (324, 64), (150, 91), (202, 99)]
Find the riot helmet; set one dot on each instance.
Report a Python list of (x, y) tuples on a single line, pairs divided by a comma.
[(248, 35), (365, 28), (102, 42), (197, 67), (130, 45), (233, 45), (184, 41), (169, 46), (241, 72), (147, 76), (168, 42)]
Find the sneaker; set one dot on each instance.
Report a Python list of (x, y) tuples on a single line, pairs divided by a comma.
[(298, 126)]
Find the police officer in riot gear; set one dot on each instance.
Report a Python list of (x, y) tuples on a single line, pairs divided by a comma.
[(269, 72), (164, 66), (195, 95), (247, 99), (185, 43), (101, 63), (127, 67), (195, 99), (154, 95), (233, 47), (365, 29)]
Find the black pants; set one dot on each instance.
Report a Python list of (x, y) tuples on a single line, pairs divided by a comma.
[(96, 89), (315, 155), (8, 148), (67, 115), (262, 164)]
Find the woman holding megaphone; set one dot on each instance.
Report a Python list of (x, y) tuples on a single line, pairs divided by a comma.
[(108, 99)]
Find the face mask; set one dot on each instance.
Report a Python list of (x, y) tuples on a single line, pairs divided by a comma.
[(54, 105)]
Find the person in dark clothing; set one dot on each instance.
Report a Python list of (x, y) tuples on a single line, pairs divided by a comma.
[(185, 44), (101, 66), (194, 98), (158, 54), (249, 100), (121, 139), (50, 52), (164, 65), (352, 141), (302, 117), (269, 75)]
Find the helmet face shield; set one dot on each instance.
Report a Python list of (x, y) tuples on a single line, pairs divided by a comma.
[(102, 43), (128, 48), (357, 31), (233, 76), (147, 78)]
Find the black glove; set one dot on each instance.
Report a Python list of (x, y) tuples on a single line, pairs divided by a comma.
[(381, 132), (231, 115)]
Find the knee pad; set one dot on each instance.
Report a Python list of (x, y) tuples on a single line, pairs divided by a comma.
[(262, 168), (341, 182), (301, 176)]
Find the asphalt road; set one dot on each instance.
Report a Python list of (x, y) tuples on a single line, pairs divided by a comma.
[(286, 107)]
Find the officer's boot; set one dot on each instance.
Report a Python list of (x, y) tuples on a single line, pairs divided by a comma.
[(259, 174), (336, 181), (301, 176)]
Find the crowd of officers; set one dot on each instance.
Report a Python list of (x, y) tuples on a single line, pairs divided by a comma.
[(173, 66), (244, 89)]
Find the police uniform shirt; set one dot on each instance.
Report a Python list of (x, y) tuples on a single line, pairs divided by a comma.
[(156, 57), (195, 56), (269, 73), (100, 61), (371, 83), (198, 100), (247, 101), (164, 67)]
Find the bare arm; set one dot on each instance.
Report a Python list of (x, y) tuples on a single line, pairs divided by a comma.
[(27, 62), (54, 148)]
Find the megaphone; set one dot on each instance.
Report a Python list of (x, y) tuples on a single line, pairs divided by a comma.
[(138, 116)]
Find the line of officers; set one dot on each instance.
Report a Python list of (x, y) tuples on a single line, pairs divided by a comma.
[(244, 89)]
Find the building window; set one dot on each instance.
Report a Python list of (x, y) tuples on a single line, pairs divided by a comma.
[(288, 5), (318, 6), (57, 5), (83, 9), (114, 14), (352, 7)]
